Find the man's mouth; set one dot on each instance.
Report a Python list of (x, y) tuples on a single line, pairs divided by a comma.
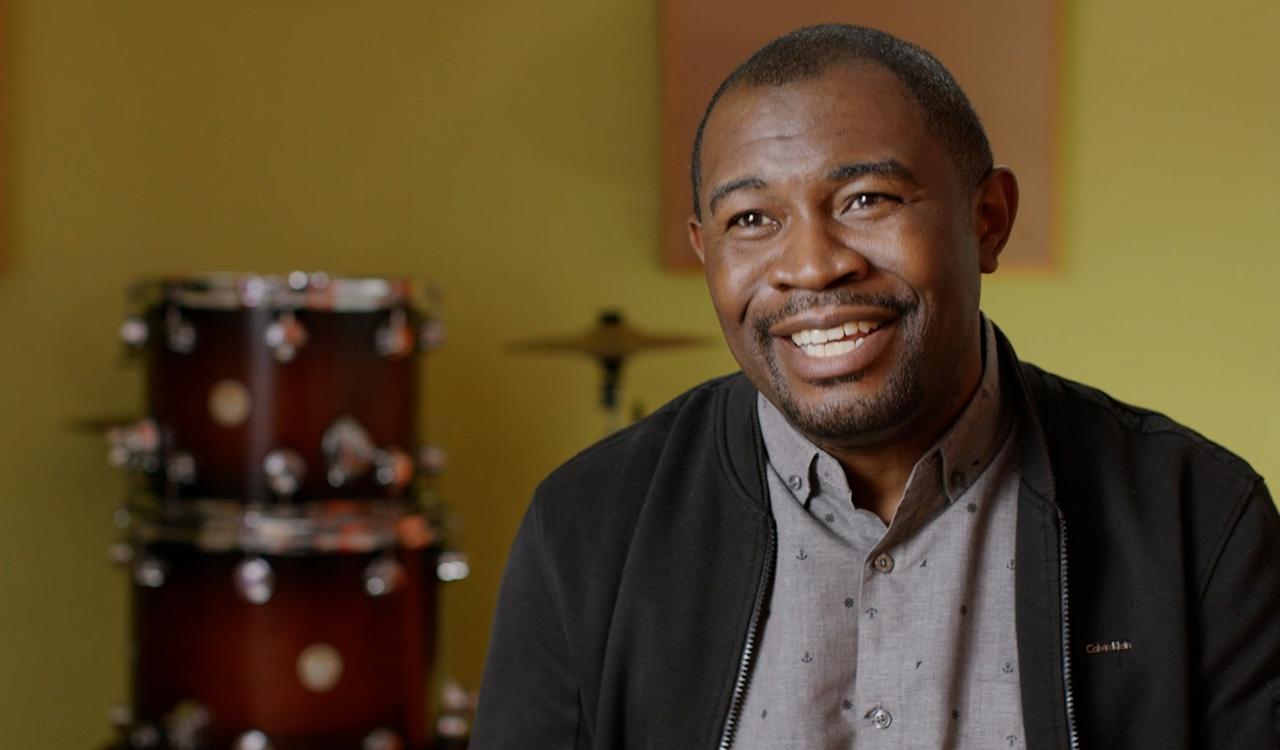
[(834, 341)]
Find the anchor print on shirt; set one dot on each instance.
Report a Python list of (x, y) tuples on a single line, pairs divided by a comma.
[(802, 555), (807, 658)]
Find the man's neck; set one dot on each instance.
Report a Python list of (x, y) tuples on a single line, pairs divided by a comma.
[(878, 474)]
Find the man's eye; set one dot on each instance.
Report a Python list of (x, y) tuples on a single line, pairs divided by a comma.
[(749, 220), (867, 200)]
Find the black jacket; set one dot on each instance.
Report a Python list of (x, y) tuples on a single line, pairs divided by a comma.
[(1147, 586)]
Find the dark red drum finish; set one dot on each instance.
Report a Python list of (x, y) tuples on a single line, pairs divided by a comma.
[(324, 646), (284, 590), (278, 388)]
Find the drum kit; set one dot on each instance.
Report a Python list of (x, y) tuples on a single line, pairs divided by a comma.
[(281, 534), (283, 541)]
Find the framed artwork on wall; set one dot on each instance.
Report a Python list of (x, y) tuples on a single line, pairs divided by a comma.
[(1004, 53)]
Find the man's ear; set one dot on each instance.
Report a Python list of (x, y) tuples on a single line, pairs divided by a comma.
[(994, 209), (695, 239)]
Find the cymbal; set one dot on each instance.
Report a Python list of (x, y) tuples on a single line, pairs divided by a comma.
[(610, 339)]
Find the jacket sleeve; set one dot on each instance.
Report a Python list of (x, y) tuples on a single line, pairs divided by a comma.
[(1239, 625), (528, 697)]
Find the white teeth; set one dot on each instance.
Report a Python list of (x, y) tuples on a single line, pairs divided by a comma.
[(857, 343), (814, 339), (832, 349)]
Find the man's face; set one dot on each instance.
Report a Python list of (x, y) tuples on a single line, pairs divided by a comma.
[(843, 254)]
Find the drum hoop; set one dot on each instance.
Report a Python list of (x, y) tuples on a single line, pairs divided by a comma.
[(295, 291), (321, 527)]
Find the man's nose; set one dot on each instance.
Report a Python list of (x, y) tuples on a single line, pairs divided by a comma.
[(814, 257)]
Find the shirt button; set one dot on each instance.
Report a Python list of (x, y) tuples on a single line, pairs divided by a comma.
[(879, 718), (883, 562), (795, 483)]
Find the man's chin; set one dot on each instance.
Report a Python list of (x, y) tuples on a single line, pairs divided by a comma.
[(848, 410)]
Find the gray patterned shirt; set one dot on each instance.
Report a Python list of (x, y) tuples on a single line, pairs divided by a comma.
[(900, 636)]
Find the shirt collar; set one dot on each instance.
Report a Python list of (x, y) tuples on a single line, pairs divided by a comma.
[(969, 445)]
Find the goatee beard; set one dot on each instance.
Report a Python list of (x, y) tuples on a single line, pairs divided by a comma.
[(850, 421)]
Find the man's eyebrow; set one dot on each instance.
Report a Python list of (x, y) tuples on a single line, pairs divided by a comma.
[(842, 173), (887, 168), (722, 191)]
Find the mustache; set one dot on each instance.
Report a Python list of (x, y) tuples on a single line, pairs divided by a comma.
[(805, 301)]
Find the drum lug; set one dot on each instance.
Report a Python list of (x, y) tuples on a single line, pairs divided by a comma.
[(452, 566), (180, 335), (180, 468), (254, 580), (394, 339), (134, 333), (252, 740), (150, 572), (122, 517), (432, 460), (135, 446), (347, 448), (144, 737), (120, 554), (286, 336), (431, 335), (384, 576), (187, 726), (457, 704), (382, 739), (284, 469), (120, 716), (394, 468)]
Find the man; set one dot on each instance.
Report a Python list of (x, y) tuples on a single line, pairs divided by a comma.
[(887, 532)]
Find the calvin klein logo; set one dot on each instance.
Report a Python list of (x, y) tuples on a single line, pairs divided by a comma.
[(1107, 648)]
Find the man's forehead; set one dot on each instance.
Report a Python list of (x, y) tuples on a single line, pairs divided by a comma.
[(856, 85), (842, 104)]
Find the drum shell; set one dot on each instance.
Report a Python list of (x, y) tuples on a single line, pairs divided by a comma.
[(337, 373), (196, 638)]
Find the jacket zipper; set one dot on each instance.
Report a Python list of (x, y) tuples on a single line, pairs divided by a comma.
[(753, 627), (748, 648), (1072, 736)]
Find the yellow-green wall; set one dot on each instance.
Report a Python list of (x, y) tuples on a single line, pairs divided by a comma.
[(507, 150)]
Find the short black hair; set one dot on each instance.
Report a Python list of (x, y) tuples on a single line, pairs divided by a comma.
[(810, 51)]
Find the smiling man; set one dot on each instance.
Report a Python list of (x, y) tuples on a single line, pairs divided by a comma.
[(887, 531)]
